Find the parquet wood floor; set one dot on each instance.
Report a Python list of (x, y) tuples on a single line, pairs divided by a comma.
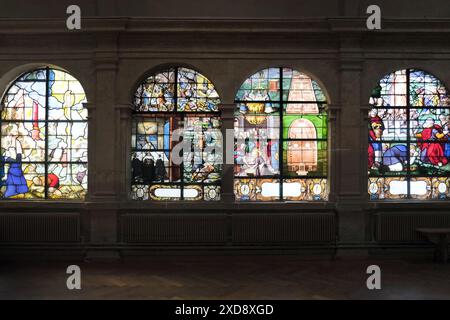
[(227, 277)]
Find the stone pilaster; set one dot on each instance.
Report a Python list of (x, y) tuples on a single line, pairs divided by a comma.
[(123, 149), (227, 116), (106, 177), (105, 121), (333, 150), (91, 147), (352, 220), (364, 116)]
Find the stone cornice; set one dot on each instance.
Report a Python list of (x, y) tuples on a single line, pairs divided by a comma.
[(58, 26), (228, 26)]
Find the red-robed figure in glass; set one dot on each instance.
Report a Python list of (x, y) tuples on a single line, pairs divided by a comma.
[(431, 143), (376, 128)]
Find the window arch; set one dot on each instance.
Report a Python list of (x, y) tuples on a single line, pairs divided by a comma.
[(44, 137), (173, 99), (409, 149), (281, 132)]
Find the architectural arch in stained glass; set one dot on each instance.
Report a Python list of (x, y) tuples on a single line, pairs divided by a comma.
[(44, 135), (176, 99), (409, 142), (281, 138)]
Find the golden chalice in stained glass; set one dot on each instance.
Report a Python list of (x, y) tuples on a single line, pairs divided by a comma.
[(255, 113)]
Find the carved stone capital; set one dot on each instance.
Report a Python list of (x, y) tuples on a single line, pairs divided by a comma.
[(227, 110), (125, 110), (333, 111), (365, 111)]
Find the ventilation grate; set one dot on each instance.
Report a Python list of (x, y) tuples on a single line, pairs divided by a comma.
[(173, 228), (39, 227), (402, 226), (282, 228)]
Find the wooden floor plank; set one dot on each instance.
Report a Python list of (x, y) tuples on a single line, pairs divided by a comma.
[(227, 277)]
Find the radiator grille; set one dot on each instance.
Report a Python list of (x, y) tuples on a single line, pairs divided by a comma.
[(282, 228), (402, 226), (39, 227), (170, 228)]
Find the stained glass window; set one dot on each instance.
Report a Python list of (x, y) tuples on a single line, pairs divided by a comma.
[(43, 137), (409, 146), (281, 138), (176, 99)]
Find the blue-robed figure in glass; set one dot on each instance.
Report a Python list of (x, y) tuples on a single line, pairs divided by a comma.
[(2, 170), (15, 181)]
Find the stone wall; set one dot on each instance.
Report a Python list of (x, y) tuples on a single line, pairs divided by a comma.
[(121, 41)]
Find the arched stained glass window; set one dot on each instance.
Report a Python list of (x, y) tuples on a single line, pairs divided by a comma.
[(409, 147), (44, 137), (281, 132), (176, 99)]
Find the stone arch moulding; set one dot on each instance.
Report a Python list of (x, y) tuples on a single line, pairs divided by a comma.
[(373, 74), (248, 70), (7, 78), (148, 71)]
